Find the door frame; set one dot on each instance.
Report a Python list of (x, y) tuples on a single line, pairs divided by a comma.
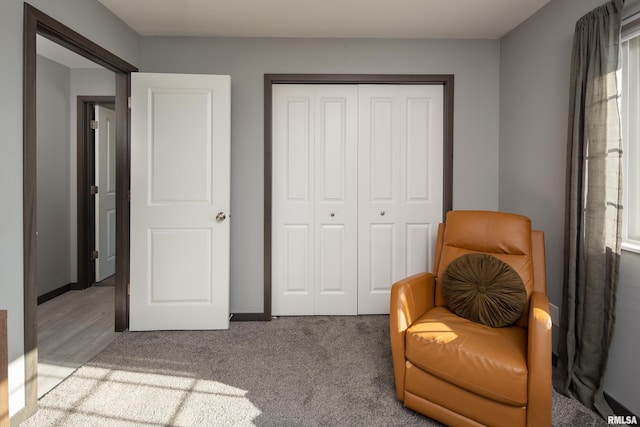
[(85, 178), (447, 82), (37, 22)]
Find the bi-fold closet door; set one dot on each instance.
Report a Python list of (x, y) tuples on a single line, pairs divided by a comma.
[(357, 193)]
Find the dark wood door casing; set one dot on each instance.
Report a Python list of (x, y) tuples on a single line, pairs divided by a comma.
[(446, 80), (37, 22)]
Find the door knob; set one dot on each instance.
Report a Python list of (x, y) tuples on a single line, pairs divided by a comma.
[(221, 217)]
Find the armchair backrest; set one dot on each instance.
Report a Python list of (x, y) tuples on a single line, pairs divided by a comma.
[(506, 236)]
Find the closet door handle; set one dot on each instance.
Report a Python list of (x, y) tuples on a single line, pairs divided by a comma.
[(332, 214), (382, 213)]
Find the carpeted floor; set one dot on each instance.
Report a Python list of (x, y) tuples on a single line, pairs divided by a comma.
[(293, 371)]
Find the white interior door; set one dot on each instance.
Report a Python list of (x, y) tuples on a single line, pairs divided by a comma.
[(314, 215), (105, 198), (180, 186), (400, 161)]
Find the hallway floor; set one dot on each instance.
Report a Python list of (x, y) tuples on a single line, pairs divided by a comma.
[(72, 329)]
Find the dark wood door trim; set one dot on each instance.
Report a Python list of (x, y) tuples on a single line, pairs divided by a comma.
[(37, 22), (446, 80)]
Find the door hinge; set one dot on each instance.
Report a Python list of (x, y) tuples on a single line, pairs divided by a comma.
[(129, 102), (129, 195), (93, 190), (94, 255), (94, 124), (128, 288)]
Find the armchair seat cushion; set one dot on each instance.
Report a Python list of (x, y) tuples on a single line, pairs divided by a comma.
[(491, 362)]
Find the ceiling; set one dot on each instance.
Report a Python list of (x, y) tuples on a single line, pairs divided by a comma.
[(426, 19), (61, 55), (423, 19)]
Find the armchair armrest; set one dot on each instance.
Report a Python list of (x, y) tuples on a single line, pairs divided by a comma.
[(410, 299), (539, 361)]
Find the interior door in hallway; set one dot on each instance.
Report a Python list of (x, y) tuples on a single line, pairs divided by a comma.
[(314, 215), (400, 186), (105, 198), (180, 200)]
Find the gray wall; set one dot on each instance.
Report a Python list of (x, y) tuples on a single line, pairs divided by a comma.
[(93, 21), (534, 93), (57, 166), (53, 264), (474, 63)]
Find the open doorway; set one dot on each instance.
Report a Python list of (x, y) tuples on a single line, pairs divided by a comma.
[(36, 22), (75, 151), (72, 153)]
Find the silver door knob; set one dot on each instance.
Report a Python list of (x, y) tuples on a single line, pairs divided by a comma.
[(221, 217)]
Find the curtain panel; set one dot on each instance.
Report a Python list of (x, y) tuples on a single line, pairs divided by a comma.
[(593, 208)]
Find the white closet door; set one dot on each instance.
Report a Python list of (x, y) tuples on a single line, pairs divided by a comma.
[(400, 186), (293, 204), (314, 206)]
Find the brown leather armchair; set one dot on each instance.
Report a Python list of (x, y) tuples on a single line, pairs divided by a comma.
[(464, 373)]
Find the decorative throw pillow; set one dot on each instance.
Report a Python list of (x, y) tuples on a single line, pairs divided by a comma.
[(484, 289)]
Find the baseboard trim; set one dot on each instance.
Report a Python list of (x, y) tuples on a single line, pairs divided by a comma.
[(248, 317), (55, 293), (617, 407), (18, 418)]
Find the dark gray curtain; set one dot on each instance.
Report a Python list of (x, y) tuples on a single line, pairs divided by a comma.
[(593, 210)]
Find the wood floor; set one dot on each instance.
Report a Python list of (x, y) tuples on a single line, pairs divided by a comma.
[(72, 328)]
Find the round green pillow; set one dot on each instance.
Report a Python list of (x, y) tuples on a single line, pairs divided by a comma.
[(484, 289)]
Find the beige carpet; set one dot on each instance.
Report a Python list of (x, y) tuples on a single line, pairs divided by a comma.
[(294, 371)]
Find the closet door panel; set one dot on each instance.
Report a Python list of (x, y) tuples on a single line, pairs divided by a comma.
[(298, 145), (293, 202), (422, 180), (418, 244), (383, 256), (400, 185), (379, 189), (315, 190), (380, 132), (297, 260), (336, 201), (417, 153)]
